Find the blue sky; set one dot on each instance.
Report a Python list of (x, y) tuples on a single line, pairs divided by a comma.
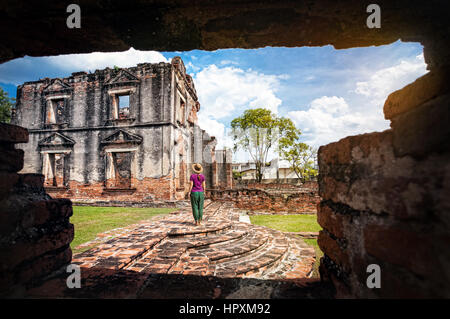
[(328, 93)]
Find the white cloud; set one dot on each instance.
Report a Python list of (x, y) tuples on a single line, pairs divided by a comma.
[(385, 81), (328, 119), (101, 60), (331, 104), (229, 90), (190, 66), (222, 135), (213, 128), (224, 62), (283, 77), (28, 68)]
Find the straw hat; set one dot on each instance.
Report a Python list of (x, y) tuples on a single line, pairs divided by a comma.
[(197, 168)]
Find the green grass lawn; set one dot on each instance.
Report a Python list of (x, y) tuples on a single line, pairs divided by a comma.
[(90, 221), (293, 223), (287, 223)]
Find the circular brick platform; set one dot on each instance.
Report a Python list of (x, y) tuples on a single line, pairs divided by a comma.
[(222, 247)]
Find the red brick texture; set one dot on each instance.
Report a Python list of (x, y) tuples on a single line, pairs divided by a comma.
[(425, 88), (278, 186), (146, 190), (385, 201), (255, 200), (12, 134), (331, 221), (35, 232)]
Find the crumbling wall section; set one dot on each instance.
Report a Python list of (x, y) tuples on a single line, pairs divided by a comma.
[(312, 185), (35, 232), (224, 170), (257, 200)]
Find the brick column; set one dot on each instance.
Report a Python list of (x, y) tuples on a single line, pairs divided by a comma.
[(215, 176), (229, 177), (35, 232)]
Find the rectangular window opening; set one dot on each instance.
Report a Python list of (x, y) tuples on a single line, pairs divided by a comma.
[(52, 107), (124, 106), (54, 170), (55, 111), (119, 174)]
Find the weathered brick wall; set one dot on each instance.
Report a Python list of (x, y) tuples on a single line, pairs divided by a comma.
[(259, 200), (313, 185), (224, 172), (385, 199), (35, 232), (145, 190)]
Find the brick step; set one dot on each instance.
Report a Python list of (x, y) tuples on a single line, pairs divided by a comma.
[(127, 249), (281, 240), (226, 211), (257, 261), (190, 260), (193, 261), (227, 237), (212, 207), (275, 255), (208, 203), (169, 252), (190, 263), (246, 245), (203, 230), (119, 252), (297, 263), (161, 258), (209, 208)]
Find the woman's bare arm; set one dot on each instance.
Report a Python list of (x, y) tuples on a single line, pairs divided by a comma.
[(191, 184), (204, 186)]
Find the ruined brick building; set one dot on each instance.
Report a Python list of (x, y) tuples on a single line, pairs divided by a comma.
[(122, 134)]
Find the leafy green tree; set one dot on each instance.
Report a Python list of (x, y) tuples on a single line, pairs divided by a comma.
[(302, 159), (237, 175), (6, 104), (259, 130)]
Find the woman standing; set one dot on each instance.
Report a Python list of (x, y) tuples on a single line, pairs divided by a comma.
[(196, 192)]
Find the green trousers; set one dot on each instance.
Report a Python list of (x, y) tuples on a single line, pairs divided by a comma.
[(197, 199)]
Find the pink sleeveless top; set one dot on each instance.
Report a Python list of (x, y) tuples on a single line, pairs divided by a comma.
[(197, 183)]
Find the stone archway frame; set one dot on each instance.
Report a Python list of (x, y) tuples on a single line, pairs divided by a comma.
[(211, 25)]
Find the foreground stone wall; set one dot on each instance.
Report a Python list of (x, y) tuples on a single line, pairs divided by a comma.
[(183, 25), (257, 200), (385, 199), (35, 232)]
